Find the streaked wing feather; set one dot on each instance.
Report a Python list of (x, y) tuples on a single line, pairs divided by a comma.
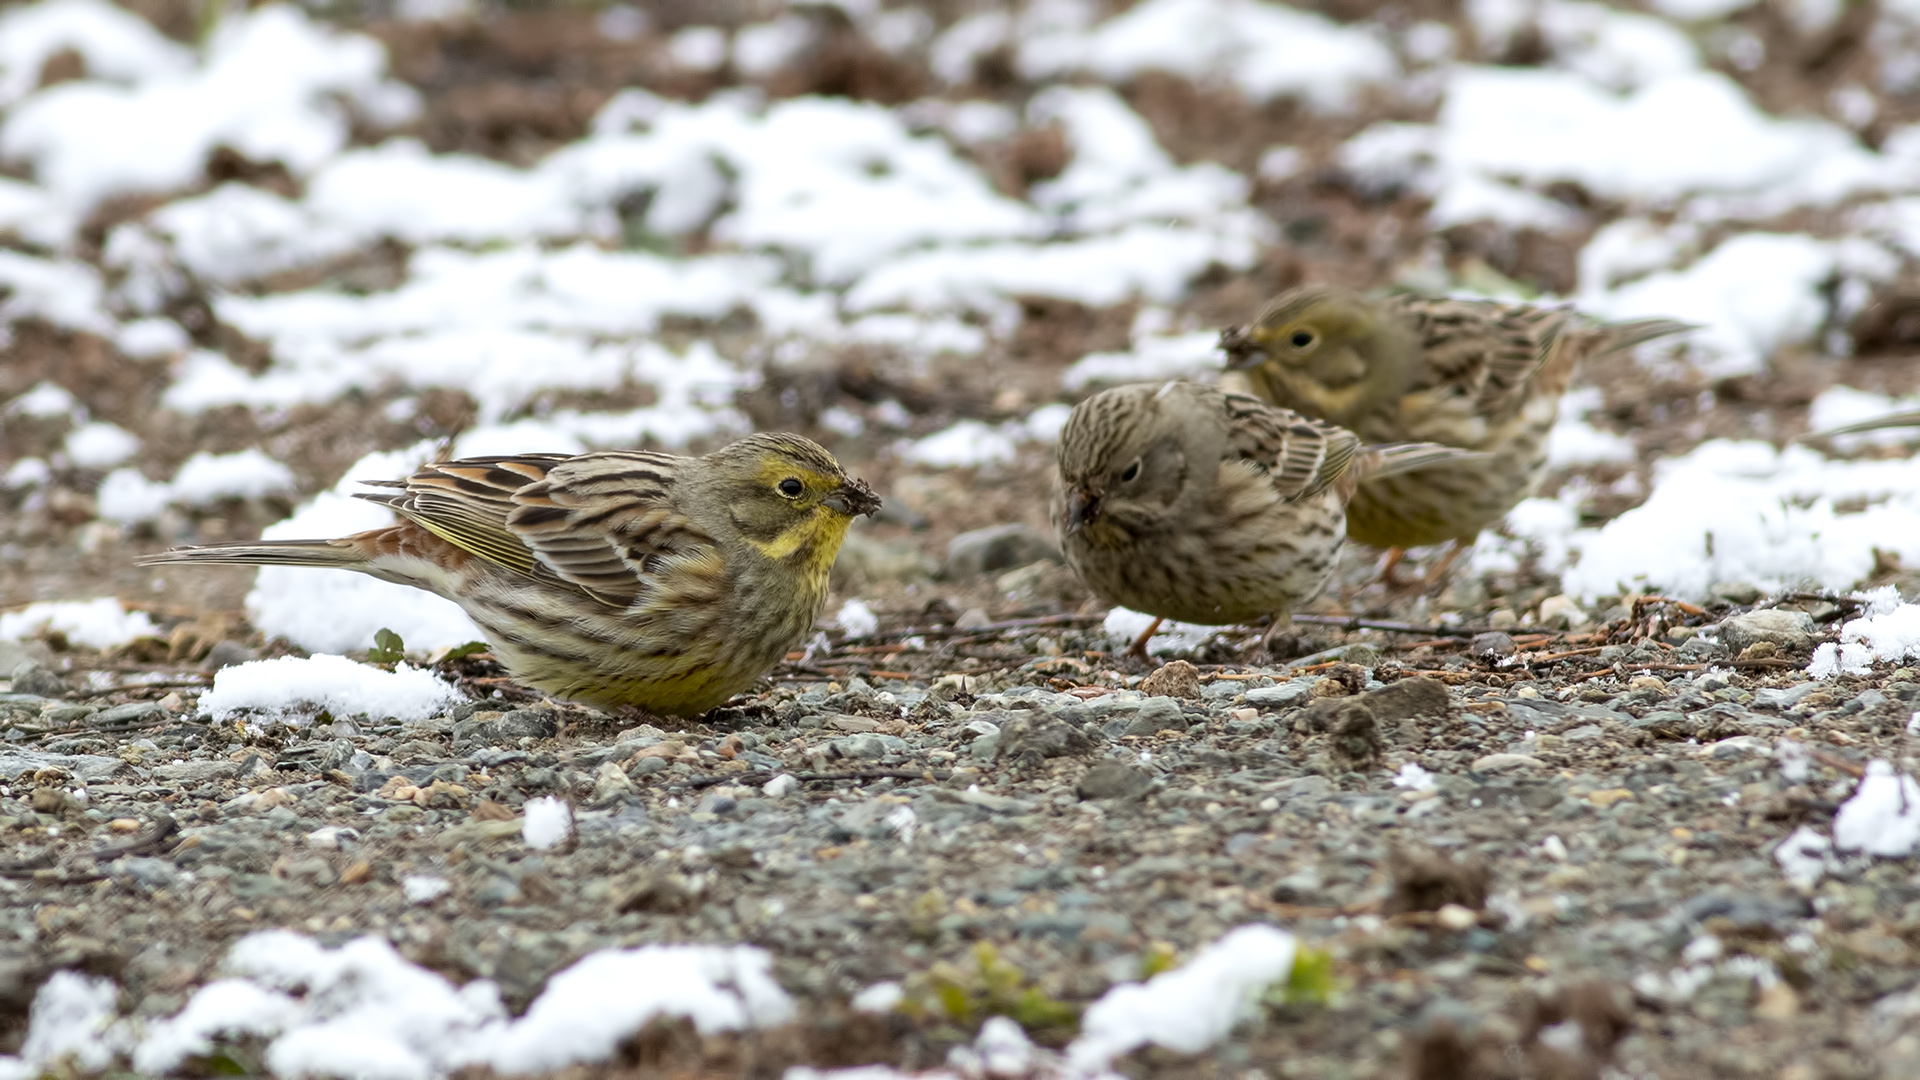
[(1301, 455), (1490, 351), (604, 523), (466, 503)]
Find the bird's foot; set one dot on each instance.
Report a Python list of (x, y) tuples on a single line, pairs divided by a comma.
[(1138, 650)]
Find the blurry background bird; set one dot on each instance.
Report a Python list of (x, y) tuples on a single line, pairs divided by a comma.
[(1189, 503), (621, 578), (1476, 374)]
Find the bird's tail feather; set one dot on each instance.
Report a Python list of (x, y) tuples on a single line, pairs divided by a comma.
[(1625, 335), (1878, 423), (322, 553), (1393, 459)]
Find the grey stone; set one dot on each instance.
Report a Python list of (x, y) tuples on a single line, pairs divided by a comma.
[(13, 654), (1791, 630), (1032, 736), (84, 767), (333, 755), (1303, 787), (1702, 648), (866, 746), (1112, 780), (999, 804), (1152, 717), (1507, 763), (31, 678), (132, 712), (65, 715), (189, 773), (1492, 643), (522, 723), (143, 873), (1273, 697), (1739, 746), (518, 724), (1414, 698), (1120, 701), (226, 654), (1735, 592), (996, 547)]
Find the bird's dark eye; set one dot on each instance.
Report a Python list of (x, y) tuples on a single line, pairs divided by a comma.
[(1132, 473), (790, 488), (1301, 338)]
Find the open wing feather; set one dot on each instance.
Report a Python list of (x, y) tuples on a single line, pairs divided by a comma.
[(1488, 353), (602, 523), (1302, 456)]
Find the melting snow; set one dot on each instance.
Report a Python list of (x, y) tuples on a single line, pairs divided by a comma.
[(1189, 1008), (1886, 630), (125, 495), (548, 821), (1127, 624), (363, 1010), (289, 686), (93, 624), (1882, 817)]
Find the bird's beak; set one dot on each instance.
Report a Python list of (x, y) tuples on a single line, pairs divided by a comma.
[(1082, 506), (1243, 352), (853, 497)]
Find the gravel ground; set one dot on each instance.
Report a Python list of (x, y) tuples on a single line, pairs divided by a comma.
[(1592, 845), (982, 800)]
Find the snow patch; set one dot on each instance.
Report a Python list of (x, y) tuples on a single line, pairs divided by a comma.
[(94, 624), (1888, 633), (338, 610), (1127, 624), (127, 496), (1883, 816), (1189, 1008), (548, 821), (290, 686)]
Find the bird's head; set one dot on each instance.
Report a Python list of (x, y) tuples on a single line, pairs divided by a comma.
[(1123, 464), (789, 498), (1326, 351)]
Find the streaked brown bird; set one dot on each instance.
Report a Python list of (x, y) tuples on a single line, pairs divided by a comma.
[(620, 578), (1477, 374), (1189, 503)]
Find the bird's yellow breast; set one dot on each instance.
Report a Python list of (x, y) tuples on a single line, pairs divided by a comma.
[(815, 539)]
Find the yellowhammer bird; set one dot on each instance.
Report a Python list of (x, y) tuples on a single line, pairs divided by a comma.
[(1192, 504), (619, 578), (1476, 374)]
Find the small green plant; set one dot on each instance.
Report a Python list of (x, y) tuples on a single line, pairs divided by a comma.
[(1311, 982), (985, 984), (1160, 956), (387, 648), (459, 652)]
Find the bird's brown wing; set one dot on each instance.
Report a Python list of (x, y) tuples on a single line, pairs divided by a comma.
[(1301, 455), (602, 523), (1481, 351), (466, 503)]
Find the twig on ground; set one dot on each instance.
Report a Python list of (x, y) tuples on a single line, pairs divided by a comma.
[(163, 827)]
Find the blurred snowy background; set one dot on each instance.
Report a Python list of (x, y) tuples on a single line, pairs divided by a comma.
[(250, 254)]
